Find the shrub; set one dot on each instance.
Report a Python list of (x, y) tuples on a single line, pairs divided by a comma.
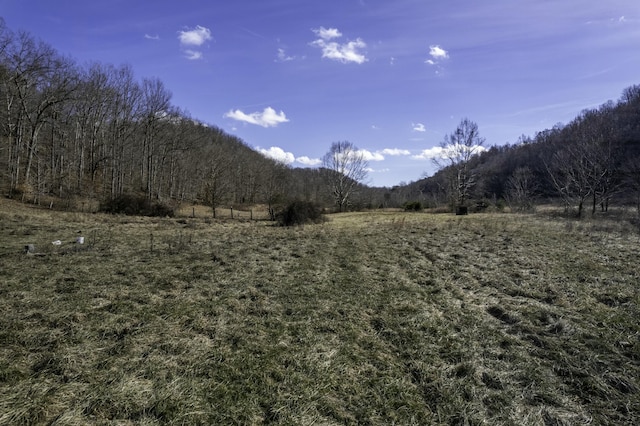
[(414, 206), (136, 205), (299, 213)]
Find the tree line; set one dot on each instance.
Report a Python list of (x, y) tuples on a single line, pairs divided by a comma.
[(97, 132), (588, 164)]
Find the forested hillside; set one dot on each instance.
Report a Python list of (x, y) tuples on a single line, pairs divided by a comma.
[(96, 132), (588, 164)]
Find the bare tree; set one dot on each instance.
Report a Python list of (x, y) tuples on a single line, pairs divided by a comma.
[(585, 168), (121, 151), (521, 188), (567, 174), (345, 167), (631, 173), (90, 116), (38, 81), (273, 187), (155, 110), (216, 170), (457, 150)]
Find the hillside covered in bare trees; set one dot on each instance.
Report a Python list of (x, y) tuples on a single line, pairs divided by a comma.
[(586, 165), (96, 132)]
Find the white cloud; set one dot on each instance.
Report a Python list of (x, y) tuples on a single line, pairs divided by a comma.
[(418, 127), (429, 154), (309, 161), (346, 52), (278, 154), (370, 156), (152, 37), (447, 152), (327, 33), (194, 37), (394, 152), (267, 118), (438, 55), (438, 52)]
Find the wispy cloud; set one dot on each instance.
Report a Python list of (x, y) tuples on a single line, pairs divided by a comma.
[(384, 170), (267, 118), (194, 37), (152, 37), (345, 52), (192, 54), (283, 57), (418, 127)]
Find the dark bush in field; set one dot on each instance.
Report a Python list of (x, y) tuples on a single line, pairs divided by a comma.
[(414, 206), (136, 205), (299, 213)]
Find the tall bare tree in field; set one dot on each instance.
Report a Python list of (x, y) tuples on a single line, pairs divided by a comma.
[(345, 167), (457, 150)]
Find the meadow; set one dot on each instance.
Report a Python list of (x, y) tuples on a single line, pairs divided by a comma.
[(373, 318)]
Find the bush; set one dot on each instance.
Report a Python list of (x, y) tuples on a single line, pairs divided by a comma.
[(299, 213), (136, 205), (413, 206)]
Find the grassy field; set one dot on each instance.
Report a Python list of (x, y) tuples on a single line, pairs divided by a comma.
[(371, 318)]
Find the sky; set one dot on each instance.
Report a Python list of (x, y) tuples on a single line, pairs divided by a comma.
[(393, 77)]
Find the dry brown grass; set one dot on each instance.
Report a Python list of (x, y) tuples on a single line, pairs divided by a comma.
[(370, 318)]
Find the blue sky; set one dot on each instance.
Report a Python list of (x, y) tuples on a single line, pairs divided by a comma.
[(290, 77)]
